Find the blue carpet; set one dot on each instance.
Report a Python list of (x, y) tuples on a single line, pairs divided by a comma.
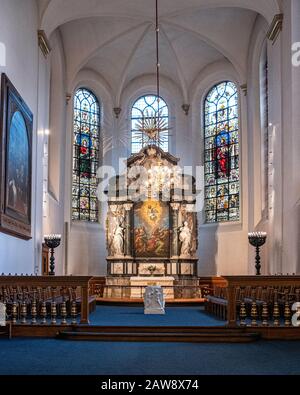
[(134, 316), (57, 357)]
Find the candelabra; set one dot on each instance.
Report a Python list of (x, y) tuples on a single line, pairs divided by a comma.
[(257, 240), (52, 242)]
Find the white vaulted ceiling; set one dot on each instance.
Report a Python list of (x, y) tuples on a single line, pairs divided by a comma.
[(116, 38)]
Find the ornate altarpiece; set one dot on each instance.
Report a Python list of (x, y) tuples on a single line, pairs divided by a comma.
[(151, 221)]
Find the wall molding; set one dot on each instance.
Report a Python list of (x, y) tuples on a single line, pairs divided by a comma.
[(44, 43), (275, 28)]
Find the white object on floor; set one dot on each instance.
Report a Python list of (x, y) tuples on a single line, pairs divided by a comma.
[(154, 301)]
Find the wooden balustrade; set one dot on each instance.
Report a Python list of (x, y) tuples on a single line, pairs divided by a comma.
[(46, 300), (256, 301)]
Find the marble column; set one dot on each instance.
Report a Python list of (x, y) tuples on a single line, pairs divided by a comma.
[(175, 211), (128, 239)]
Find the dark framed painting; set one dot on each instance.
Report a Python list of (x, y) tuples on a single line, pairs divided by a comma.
[(16, 122)]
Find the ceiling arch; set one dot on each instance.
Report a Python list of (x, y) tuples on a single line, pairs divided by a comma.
[(59, 12), (120, 46)]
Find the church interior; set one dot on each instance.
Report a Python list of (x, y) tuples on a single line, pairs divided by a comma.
[(149, 187)]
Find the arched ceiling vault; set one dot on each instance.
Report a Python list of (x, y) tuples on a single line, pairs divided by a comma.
[(55, 13), (116, 38)]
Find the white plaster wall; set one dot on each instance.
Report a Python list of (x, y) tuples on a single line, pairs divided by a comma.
[(27, 70), (53, 220), (258, 220)]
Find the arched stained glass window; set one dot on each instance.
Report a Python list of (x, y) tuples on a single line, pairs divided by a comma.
[(85, 156), (221, 131), (144, 111)]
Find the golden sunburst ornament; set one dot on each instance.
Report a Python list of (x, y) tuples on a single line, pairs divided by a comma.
[(151, 125)]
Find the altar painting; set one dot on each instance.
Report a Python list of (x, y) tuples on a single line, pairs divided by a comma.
[(151, 229)]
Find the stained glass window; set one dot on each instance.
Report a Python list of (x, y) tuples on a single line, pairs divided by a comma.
[(144, 110), (85, 156), (221, 123)]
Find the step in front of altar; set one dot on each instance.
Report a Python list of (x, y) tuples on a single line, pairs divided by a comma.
[(138, 285)]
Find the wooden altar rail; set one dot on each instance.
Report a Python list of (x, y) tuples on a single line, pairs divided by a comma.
[(261, 301), (38, 299)]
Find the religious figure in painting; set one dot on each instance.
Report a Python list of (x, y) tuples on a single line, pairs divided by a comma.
[(222, 155), (151, 232), (185, 236), (17, 165)]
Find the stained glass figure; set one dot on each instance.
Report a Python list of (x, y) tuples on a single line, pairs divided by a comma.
[(85, 156), (221, 131), (148, 111)]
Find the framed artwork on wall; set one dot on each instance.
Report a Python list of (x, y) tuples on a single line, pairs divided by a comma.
[(16, 122)]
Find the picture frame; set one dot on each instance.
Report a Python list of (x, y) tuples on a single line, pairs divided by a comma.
[(16, 124)]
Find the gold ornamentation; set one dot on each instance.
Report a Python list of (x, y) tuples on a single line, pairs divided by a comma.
[(33, 309), (44, 313), (276, 313), (253, 310), (63, 312), (287, 311), (14, 307), (44, 43), (275, 28), (74, 308), (243, 312), (151, 125), (23, 312), (265, 314)]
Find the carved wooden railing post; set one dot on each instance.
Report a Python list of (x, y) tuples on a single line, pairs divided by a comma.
[(44, 308), (53, 307), (63, 308), (231, 308), (14, 307), (276, 313), (265, 312), (33, 308), (84, 305), (243, 312), (73, 307), (254, 314), (287, 311)]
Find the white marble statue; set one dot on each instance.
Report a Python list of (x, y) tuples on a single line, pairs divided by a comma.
[(118, 240), (185, 236), (154, 301)]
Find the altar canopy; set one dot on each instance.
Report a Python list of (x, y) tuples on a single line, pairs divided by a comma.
[(151, 221)]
